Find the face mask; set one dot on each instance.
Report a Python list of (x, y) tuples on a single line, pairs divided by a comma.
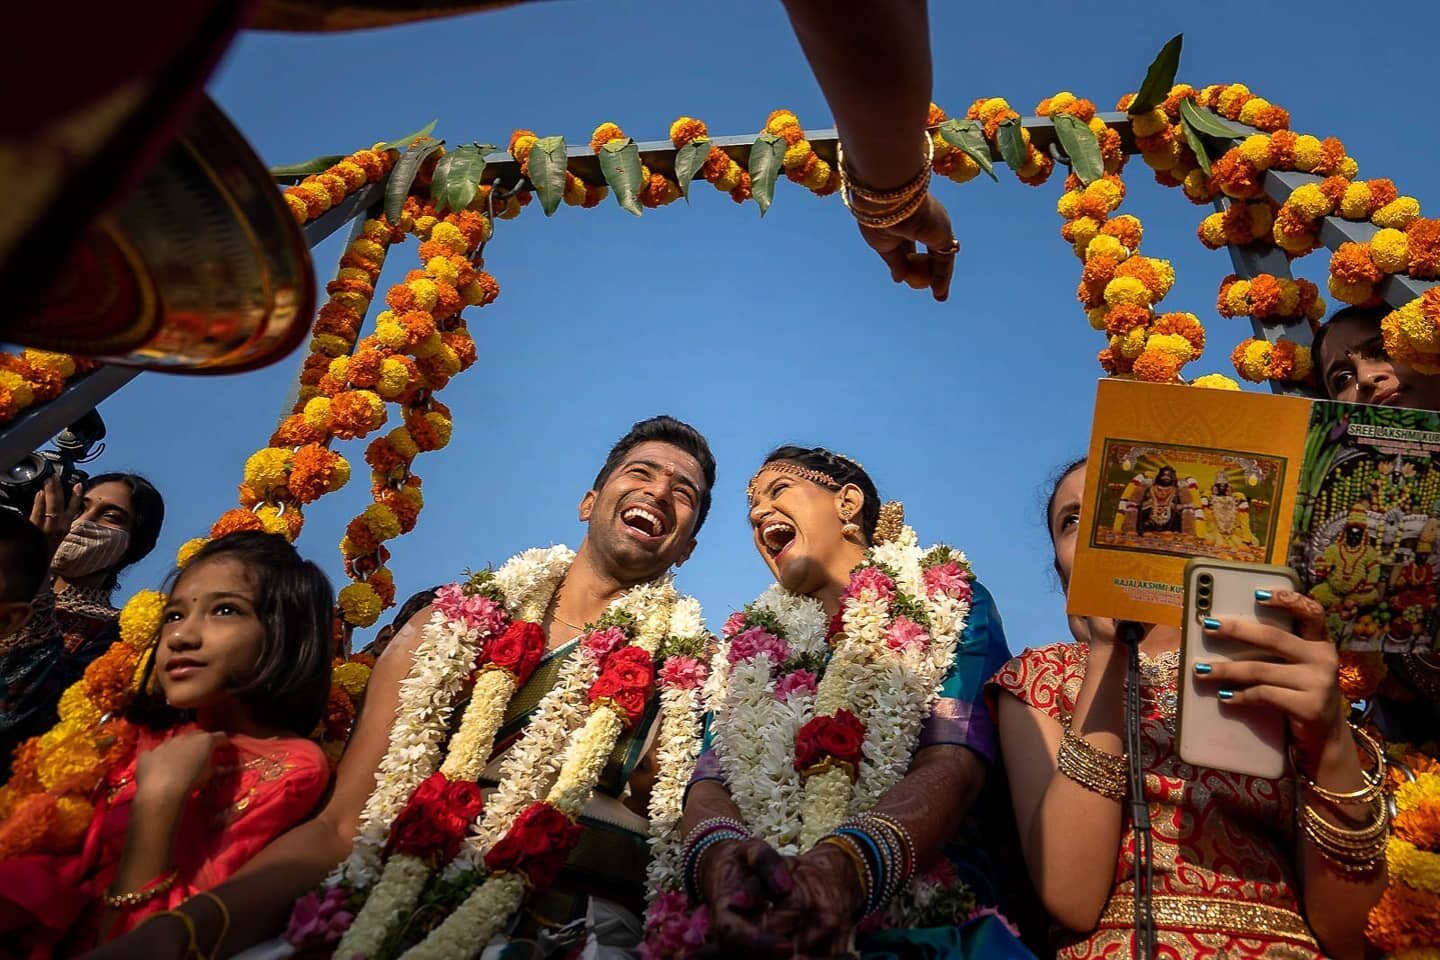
[(88, 548)]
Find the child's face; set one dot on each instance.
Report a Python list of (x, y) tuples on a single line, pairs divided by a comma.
[(1356, 369), (210, 636)]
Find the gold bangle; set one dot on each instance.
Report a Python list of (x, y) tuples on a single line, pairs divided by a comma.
[(224, 917), (1374, 782), (1351, 851), (134, 898), (1093, 768), (857, 860), (900, 194), (191, 947)]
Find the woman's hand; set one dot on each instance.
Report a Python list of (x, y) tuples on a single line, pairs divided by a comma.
[(740, 879), (53, 513), (1302, 685), (930, 225), (821, 912), (177, 766)]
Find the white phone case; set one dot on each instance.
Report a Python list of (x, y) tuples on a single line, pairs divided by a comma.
[(1243, 738)]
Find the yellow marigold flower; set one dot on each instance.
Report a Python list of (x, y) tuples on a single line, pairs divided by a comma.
[(428, 347), (394, 378), (1068, 205), (1197, 184), (1237, 298), (1418, 330), (274, 521), (60, 364), (75, 707), (1228, 103), (349, 550), (1262, 220), (1389, 250), (730, 178), (1097, 126), (1397, 213), (1083, 230), (425, 224), (1251, 110), (73, 761), (390, 332), (779, 120), (1212, 230), (267, 469), (1349, 168), (403, 443), (1173, 344), (423, 289), (1304, 362), (359, 604), (351, 677), (1107, 246), (820, 174), (1353, 293), (574, 191), (1107, 192), (1311, 202), (442, 426), (1166, 159), (313, 191), (369, 249), (329, 345), (317, 412), (20, 391), (72, 819), (1096, 316), (795, 154), (297, 206), (448, 234), (1061, 102), (992, 108), (1215, 381), (1255, 149), (1307, 152), (1256, 360), (1149, 124), (140, 618), (353, 273), (522, 144), (1165, 274), (1356, 203), (1289, 297), (187, 551), (1131, 344), (1317, 309), (442, 269), (340, 368), (1127, 290)]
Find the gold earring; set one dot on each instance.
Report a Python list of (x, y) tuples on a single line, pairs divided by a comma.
[(847, 529)]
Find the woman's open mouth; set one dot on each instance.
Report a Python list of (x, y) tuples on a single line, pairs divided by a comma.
[(777, 536)]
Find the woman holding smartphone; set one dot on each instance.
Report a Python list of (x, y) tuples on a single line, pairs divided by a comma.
[(1235, 875)]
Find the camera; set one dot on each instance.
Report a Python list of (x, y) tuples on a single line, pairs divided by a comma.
[(77, 443)]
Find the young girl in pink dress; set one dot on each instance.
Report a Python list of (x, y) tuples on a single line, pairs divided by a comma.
[(221, 764)]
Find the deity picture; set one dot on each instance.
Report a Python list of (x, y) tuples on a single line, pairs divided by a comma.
[(1187, 501), (1366, 525)]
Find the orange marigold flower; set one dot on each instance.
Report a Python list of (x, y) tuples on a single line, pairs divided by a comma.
[(382, 456), (685, 129), (741, 191), (1351, 263), (1236, 177), (447, 300), (1156, 366), (1404, 919), (1265, 296), (604, 134), (1422, 239), (1273, 119), (354, 413), (232, 521), (1332, 156), (363, 370), (361, 537), (1186, 325), (1125, 228), (1124, 317), (462, 344), (295, 431)]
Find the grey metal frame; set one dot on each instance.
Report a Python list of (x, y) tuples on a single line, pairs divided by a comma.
[(36, 425)]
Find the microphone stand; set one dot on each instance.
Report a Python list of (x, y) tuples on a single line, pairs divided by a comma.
[(1130, 634)]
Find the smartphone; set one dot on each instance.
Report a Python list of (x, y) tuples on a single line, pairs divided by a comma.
[(1244, 738)]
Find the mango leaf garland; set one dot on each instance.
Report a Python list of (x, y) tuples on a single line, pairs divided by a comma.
[(407, 168), (298, 171), (620, 163), (405, 141), (1159, 78), (688, 161), (1207, 123), (767, 155), (1011, 141), (457, 176), (1079, 143), (547, 171), (967, 137)]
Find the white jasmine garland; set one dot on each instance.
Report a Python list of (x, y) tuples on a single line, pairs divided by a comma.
[(676, 749)]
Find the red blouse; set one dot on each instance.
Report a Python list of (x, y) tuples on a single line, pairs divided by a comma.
[(1222, 842), (260, 789)]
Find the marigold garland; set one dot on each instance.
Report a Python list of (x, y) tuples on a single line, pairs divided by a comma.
[(319, 192), (1267, 297), (33, 377)]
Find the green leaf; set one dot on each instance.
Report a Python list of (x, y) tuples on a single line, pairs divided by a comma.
[(297, 171), (1079, 143), (457, 176), (547, 171), (407, 168), (767, 156), (404, 142), (1197, 143), (620, 163), (1159, 78), (1207, 123), (688, 161), (968, 137), (1012, 143)]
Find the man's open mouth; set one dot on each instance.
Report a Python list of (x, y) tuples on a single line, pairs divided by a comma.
[(644, 521)]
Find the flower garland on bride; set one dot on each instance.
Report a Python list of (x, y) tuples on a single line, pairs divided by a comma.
[(428, 839), (813, 723)]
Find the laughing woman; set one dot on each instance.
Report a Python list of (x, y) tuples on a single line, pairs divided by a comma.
[(848, 743)]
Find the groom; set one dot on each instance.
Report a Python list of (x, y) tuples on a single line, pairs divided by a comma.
[(642, 513)]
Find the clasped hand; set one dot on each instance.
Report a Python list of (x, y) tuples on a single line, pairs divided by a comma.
[(776, 906)]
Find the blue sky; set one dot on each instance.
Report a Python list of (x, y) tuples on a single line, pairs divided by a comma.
[(759, 332)]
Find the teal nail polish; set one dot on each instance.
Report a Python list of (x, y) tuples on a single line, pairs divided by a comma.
[(1263, 595), (1210, 623), (1226, 694), (1203, 668)]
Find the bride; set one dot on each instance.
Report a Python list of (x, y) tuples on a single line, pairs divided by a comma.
[(848, 742)]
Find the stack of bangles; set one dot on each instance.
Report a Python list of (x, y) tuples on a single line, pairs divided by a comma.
[(1352, 851), (707, 833), (883, 854), (1097, 771), (882, 209)]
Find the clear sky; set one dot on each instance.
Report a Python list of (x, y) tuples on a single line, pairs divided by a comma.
[(760, 332)]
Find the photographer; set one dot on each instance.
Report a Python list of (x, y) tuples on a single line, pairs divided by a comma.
[(102, 527)]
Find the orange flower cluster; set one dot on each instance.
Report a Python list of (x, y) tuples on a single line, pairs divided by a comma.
[(993, 111), (319, 192), (1412, 333), (1284, 361), (1161, 142), (578, 193), (1239, 223), (33, 377), (719, 170), (1112, 151), (1266, 296), (801, 163), (656, 189)]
